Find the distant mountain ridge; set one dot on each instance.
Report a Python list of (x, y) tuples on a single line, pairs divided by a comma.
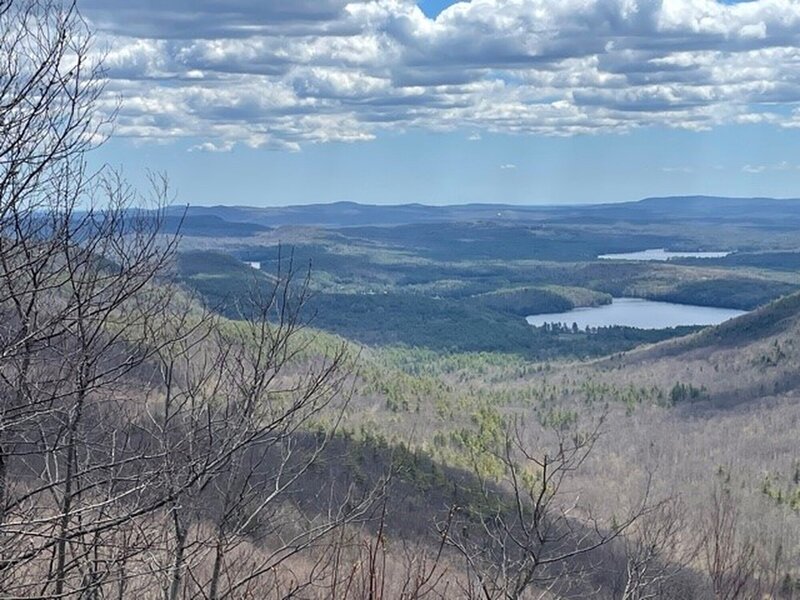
[(762, 211)]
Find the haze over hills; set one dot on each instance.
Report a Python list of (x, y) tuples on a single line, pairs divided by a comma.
[(351, 214)]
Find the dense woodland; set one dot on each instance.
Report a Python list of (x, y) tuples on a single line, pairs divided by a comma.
[(368, 415)]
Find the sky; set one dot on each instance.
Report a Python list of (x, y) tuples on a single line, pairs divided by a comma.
[(271, 102)]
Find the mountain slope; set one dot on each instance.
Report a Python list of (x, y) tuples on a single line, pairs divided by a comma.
[(751, 357)]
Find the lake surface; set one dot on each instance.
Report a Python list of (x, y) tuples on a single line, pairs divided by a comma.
[(660, 254), (635, 312)]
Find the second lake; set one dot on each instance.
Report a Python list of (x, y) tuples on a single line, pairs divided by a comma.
[(660, 255), (635, 312)]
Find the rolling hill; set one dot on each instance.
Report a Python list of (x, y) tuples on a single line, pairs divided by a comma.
[(762, 211)]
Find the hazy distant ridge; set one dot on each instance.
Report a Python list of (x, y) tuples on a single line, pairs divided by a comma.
[(784, 212)]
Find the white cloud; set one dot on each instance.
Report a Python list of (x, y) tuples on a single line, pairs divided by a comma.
[(508, 166), (782, 166), (226, 146), (270, 73)]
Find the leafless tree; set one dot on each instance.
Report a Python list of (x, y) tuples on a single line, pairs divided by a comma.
[(730, 560), (524, 533), (142, 439), (78, 263), (365, 565), (246, 411), (657, 551), (78, 329)]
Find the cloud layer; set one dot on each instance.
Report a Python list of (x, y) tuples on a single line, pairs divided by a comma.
[(271, 73)]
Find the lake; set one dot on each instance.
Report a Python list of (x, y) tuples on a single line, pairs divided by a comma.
[(660, 254), (635, 312)]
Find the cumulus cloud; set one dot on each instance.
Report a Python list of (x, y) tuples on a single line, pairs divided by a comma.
[(271, 73)]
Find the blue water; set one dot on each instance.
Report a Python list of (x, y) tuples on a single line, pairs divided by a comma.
[(660, 254), (635, 312)]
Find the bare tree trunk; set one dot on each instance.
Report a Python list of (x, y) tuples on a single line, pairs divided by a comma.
[(66, 506), (213, 587), (176, 571)]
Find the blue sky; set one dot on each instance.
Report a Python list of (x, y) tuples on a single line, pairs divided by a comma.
[(433, 7), (525, 102)]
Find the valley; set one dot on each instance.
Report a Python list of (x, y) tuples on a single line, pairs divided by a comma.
[(446, 358), (468, 284)]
